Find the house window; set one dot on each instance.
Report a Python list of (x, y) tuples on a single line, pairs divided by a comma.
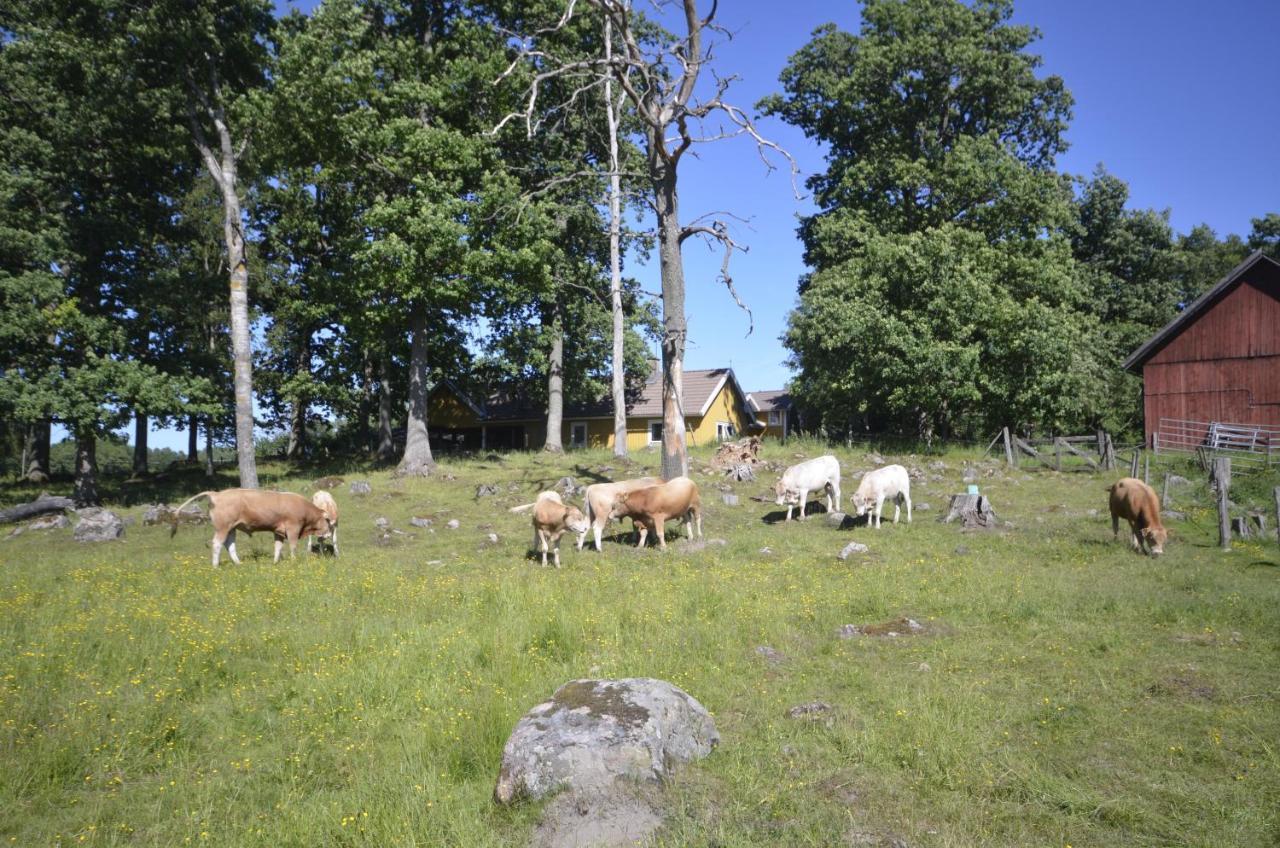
[(724, 431), (655, 432), (775, 417), (578, 434)]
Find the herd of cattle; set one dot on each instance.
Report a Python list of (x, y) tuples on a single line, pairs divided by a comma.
[(647, 501)]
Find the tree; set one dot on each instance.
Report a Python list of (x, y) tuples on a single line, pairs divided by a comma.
[(1265, 235)]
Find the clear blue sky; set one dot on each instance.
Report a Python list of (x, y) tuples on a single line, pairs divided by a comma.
[(1177, 98)]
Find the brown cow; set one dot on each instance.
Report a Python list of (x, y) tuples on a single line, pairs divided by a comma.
[(650, 507), (599, 501), (551, 520), (326, 504), (288, 516), (1137, 503)]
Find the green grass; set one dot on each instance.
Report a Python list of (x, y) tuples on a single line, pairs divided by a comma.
[(1075, 693)]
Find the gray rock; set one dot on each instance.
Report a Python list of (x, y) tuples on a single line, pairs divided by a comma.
[(1178, 480), (924, 666), (937, 465), (771, 655), (622, 817), (485, 490), (766, 550), (49, 522), (1092, 513), (836, 519), (729, 499), (359, 487), (875, 459), (165, 514), (593, 733), (421, 522), (98, 525), (381, 522), (811, 710), (452, 524), (568, 487), (962, 549), (923, 506), (850, 549), (492, 538), (1174, 514)]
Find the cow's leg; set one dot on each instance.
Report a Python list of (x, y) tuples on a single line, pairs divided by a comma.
[(595, 534), (789, 508), (218, 542), (830, 505), (642, 532), (897, 507), (231, 546), (660, 530), (1115, 527), (804, 496), (557, 549), (334, 537), (697, 515), (879, 510), (278, 547), (908, 499), (1135, 540), (542, 545), (836, 487), (292, 537)]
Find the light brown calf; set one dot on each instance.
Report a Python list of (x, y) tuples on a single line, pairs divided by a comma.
[(599, 501), (652, 506), (551, 520), (326, 504), (288, 516), (1137, 503)]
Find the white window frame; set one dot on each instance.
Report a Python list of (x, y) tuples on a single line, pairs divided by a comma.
[(573, 429), (775, 417), (649, 431), (725, 431)]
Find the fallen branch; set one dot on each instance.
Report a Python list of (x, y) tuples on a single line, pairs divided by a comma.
[(40, 506)]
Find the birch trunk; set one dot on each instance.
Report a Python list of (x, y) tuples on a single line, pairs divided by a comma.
[(555, 386), (618, 383), (417, 459), (675, 456), (141, 427)]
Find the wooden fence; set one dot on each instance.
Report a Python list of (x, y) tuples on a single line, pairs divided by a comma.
[(1249, 446), (1061, 453)]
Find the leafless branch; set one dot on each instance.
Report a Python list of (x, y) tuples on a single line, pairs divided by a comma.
[(718, 232)]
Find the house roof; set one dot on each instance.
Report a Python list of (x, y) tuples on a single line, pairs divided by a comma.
[(700, 389), (769, 400), (1195, 309)]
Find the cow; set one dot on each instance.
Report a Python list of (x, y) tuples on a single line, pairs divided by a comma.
[(325, 502), (288, 516), (599, 501), (890, 482), (551, 520), (651, 506), (815, 475), (1137, 503)]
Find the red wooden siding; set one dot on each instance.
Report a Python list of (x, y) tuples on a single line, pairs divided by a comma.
[(1225, 364)]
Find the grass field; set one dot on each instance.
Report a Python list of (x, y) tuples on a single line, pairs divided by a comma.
[(1069, 692)]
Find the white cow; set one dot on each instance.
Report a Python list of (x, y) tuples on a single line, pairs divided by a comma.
[(815, 475), (889, 482)]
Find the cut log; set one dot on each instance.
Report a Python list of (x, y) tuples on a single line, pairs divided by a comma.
[(732, 454), (40, 506), (974, 511)]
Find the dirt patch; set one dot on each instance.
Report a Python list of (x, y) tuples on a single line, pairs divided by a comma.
[(1186, 685), (842, 788), (625, 817), (599, 700), (889, 629), (872, 839)]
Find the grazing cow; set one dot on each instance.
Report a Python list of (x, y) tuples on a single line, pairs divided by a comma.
[(890, 482), (1137, 503), (551, 520), (651, 506), (325, 502), (288, 516), (815, 475), (599, 501)]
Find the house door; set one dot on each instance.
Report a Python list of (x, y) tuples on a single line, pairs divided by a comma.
[(578, 434)]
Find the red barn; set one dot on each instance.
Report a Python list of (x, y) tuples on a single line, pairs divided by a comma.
[(1217, 362)]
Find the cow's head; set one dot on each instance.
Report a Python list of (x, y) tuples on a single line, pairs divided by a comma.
[(575, 520), (786, 495), (861, 506), (1155, 537), (319, 526)]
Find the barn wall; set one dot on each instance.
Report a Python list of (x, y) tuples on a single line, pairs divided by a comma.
[(1224, 365)]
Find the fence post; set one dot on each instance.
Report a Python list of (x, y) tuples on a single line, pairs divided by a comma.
[(1111, 453), (1008, 449), (1164, 494), (1277, 494), (1222, 481), (1057, 453), (1146, 468), (1155, 443), (1133, 466)]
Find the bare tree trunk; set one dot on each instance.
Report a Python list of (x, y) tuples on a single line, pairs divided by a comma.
[(364, 434), (223, 168), (140, 430), (86, 488), (619, 377), (675, 456), (208, 448), (36, 468), (193, 439), (417, 459), (386, 442), (555, 385), (297, 430)]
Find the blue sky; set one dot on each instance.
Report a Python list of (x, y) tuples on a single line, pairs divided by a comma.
[(1177, 98)]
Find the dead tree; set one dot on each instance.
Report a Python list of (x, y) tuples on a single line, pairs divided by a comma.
[(658, 78)]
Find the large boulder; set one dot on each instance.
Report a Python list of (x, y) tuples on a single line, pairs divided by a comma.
[(593, 732), (98, 525)]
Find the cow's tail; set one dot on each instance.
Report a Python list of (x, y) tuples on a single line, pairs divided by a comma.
[(173, 516), (588, 512), (524, 507)]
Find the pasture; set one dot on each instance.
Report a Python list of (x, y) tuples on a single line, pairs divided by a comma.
[(1067, 691)]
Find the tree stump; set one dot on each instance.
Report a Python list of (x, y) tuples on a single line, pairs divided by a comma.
[(973, 511)]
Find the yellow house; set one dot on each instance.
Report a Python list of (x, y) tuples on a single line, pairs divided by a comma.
[(773, 410), (716, 410)]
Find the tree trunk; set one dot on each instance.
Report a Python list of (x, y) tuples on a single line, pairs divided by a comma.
[(417, 460), (555, 386), (675, 456), (208, 448), (193, 439), (37, 451), (86, 488), (297, 446), (386, 442), (618, 383), (364, 434), (141, 427)]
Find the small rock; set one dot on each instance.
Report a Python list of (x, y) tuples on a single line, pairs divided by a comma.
[(836, 519), (789, 750), (485, 490), (381, 523), (937, 465), (766, 550), (924, 666), (729, 499), (811, 710), (850, 549), (98, 525), (421, 522), (771, 655), (1178, 480), (568, 487), (1174, 514), (493, 538), (49, 522), (327, 483), (921, 507), (962, 549), (453, 524), (359, 487), (875, 459), (848, 631)]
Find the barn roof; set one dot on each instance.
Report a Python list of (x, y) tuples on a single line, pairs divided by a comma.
[(769, 400), (1195, 309)]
